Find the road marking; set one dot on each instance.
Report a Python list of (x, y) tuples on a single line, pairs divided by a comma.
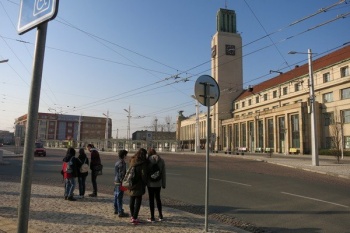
[(314, 199), (231, 182)]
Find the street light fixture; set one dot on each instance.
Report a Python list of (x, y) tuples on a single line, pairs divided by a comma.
[(129, 116), (314, 139), (196, 139), (106, 130), (3, 61)]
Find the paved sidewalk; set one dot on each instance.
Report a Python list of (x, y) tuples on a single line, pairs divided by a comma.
[(49, 212)]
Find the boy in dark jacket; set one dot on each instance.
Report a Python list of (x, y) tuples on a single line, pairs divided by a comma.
[(95, 160), (119, 173)]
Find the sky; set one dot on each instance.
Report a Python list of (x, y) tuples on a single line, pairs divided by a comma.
[(104, 56)]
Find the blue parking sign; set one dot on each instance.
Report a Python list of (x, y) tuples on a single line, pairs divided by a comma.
[(34, 12)]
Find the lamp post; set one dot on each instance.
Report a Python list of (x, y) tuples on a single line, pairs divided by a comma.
[(196, 137), (128, 129), (106, 130), (314, 139)]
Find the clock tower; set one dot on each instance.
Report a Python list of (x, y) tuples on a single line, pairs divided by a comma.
[(226, 69)]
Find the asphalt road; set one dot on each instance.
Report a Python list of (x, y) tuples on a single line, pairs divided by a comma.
[(272, 198)]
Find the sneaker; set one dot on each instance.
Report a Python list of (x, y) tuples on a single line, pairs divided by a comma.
[(160, 219), (71, 198), (123, 215), (93, 195), (135, 221), (65, 198), (151, 220)]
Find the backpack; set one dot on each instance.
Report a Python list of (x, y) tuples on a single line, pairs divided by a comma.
[(154, 173), (130, 178), (84, 167), (69, 166)]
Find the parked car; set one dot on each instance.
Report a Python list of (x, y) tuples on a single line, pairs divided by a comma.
[(1, 144), (39, 149)]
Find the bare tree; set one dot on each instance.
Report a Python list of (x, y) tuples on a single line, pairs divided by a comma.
[(336, 131), (168, 124)]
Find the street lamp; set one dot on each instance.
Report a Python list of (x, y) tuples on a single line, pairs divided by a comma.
[(3, 61), (196, 137), (129, 116), (314, 139), (106, 130)]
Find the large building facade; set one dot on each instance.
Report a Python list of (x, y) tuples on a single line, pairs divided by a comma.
[(66, 127), (273, 115)]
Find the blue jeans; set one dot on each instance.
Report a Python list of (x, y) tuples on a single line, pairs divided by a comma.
[(69, 185), (118, 199), (81, 181)]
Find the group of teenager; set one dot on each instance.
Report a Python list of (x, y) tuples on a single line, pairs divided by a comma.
[(142, 161)]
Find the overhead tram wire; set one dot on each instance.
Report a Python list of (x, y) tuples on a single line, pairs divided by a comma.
[(210, 60), (338, 17), (280, 41)]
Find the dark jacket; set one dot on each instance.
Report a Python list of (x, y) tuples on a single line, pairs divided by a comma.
[(67, 159), (80, 161), (119, 171), (141, 171), (156, 159), (95, 158)]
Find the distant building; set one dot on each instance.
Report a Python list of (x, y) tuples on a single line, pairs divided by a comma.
[(153, 135), (6, 137), (273, 115), (66, 127)]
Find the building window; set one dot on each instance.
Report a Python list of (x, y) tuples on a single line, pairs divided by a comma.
[(345, 93), (237, 106), (265, 97), (257, 99), (328, 118), (346, 116), (297, 87), (326, 77), (260, 134), (344, 71), (285, 104), (236, 134), (249, 102), (347, 142), (285, 90), (270, 133), (328, 97), (298, 101), (295, 131), (244, 135), (274, 94), (243, 104)]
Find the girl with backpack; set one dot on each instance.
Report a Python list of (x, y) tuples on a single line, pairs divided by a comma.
[(69, 170), (139, 161), (83, 171), (156, 180)]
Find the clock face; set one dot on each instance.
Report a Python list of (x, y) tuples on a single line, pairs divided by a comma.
[(230, 50)]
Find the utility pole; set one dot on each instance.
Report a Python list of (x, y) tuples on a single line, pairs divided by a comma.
[(128, 129), (106, 131), (79, 132)]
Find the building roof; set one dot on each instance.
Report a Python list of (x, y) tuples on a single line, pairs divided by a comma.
[(327, 60)]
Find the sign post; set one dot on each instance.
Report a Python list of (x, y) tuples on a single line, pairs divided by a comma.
[(33, 13), (207, 92)]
